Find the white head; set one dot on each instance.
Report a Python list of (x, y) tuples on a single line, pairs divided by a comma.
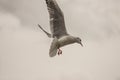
[(78, 40)]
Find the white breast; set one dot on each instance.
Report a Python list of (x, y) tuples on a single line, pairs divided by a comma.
[(66, 40), (63, 38)]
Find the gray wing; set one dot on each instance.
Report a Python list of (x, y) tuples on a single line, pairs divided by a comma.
[(57, 24), (48, 34), (53, 47)]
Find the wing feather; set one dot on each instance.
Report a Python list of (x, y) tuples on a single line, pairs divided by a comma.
[(53, 47), (57, 24)]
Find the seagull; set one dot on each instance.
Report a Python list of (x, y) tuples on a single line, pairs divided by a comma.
[(58, 29)]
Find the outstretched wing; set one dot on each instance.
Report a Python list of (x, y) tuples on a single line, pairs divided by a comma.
[(48, 34), (53, 47), (57, 24)]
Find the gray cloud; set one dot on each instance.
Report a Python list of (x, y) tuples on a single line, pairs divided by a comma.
[(93, 19)]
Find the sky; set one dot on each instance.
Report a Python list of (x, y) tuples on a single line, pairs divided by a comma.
[(24, 48)]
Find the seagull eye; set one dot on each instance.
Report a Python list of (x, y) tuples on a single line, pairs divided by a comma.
[(78, 39)]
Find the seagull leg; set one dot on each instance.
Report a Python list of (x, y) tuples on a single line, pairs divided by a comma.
[(59, 51)]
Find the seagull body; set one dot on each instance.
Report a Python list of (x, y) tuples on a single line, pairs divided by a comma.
[(58, 29), (65, 40)]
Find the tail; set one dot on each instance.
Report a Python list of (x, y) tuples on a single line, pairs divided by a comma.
[(48, 34)]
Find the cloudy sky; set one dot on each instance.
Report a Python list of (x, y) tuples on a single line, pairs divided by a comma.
[(24, 47)]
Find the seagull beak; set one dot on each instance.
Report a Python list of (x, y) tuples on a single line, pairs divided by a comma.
[(81, 44)]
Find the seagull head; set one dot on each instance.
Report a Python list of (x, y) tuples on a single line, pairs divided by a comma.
[(78, 40)]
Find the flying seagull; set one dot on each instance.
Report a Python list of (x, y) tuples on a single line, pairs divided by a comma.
[(58, 29)]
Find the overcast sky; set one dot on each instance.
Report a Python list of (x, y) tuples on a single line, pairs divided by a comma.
[(24, 47)]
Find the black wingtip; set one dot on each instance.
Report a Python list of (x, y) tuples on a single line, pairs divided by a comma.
[(47, 1)]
